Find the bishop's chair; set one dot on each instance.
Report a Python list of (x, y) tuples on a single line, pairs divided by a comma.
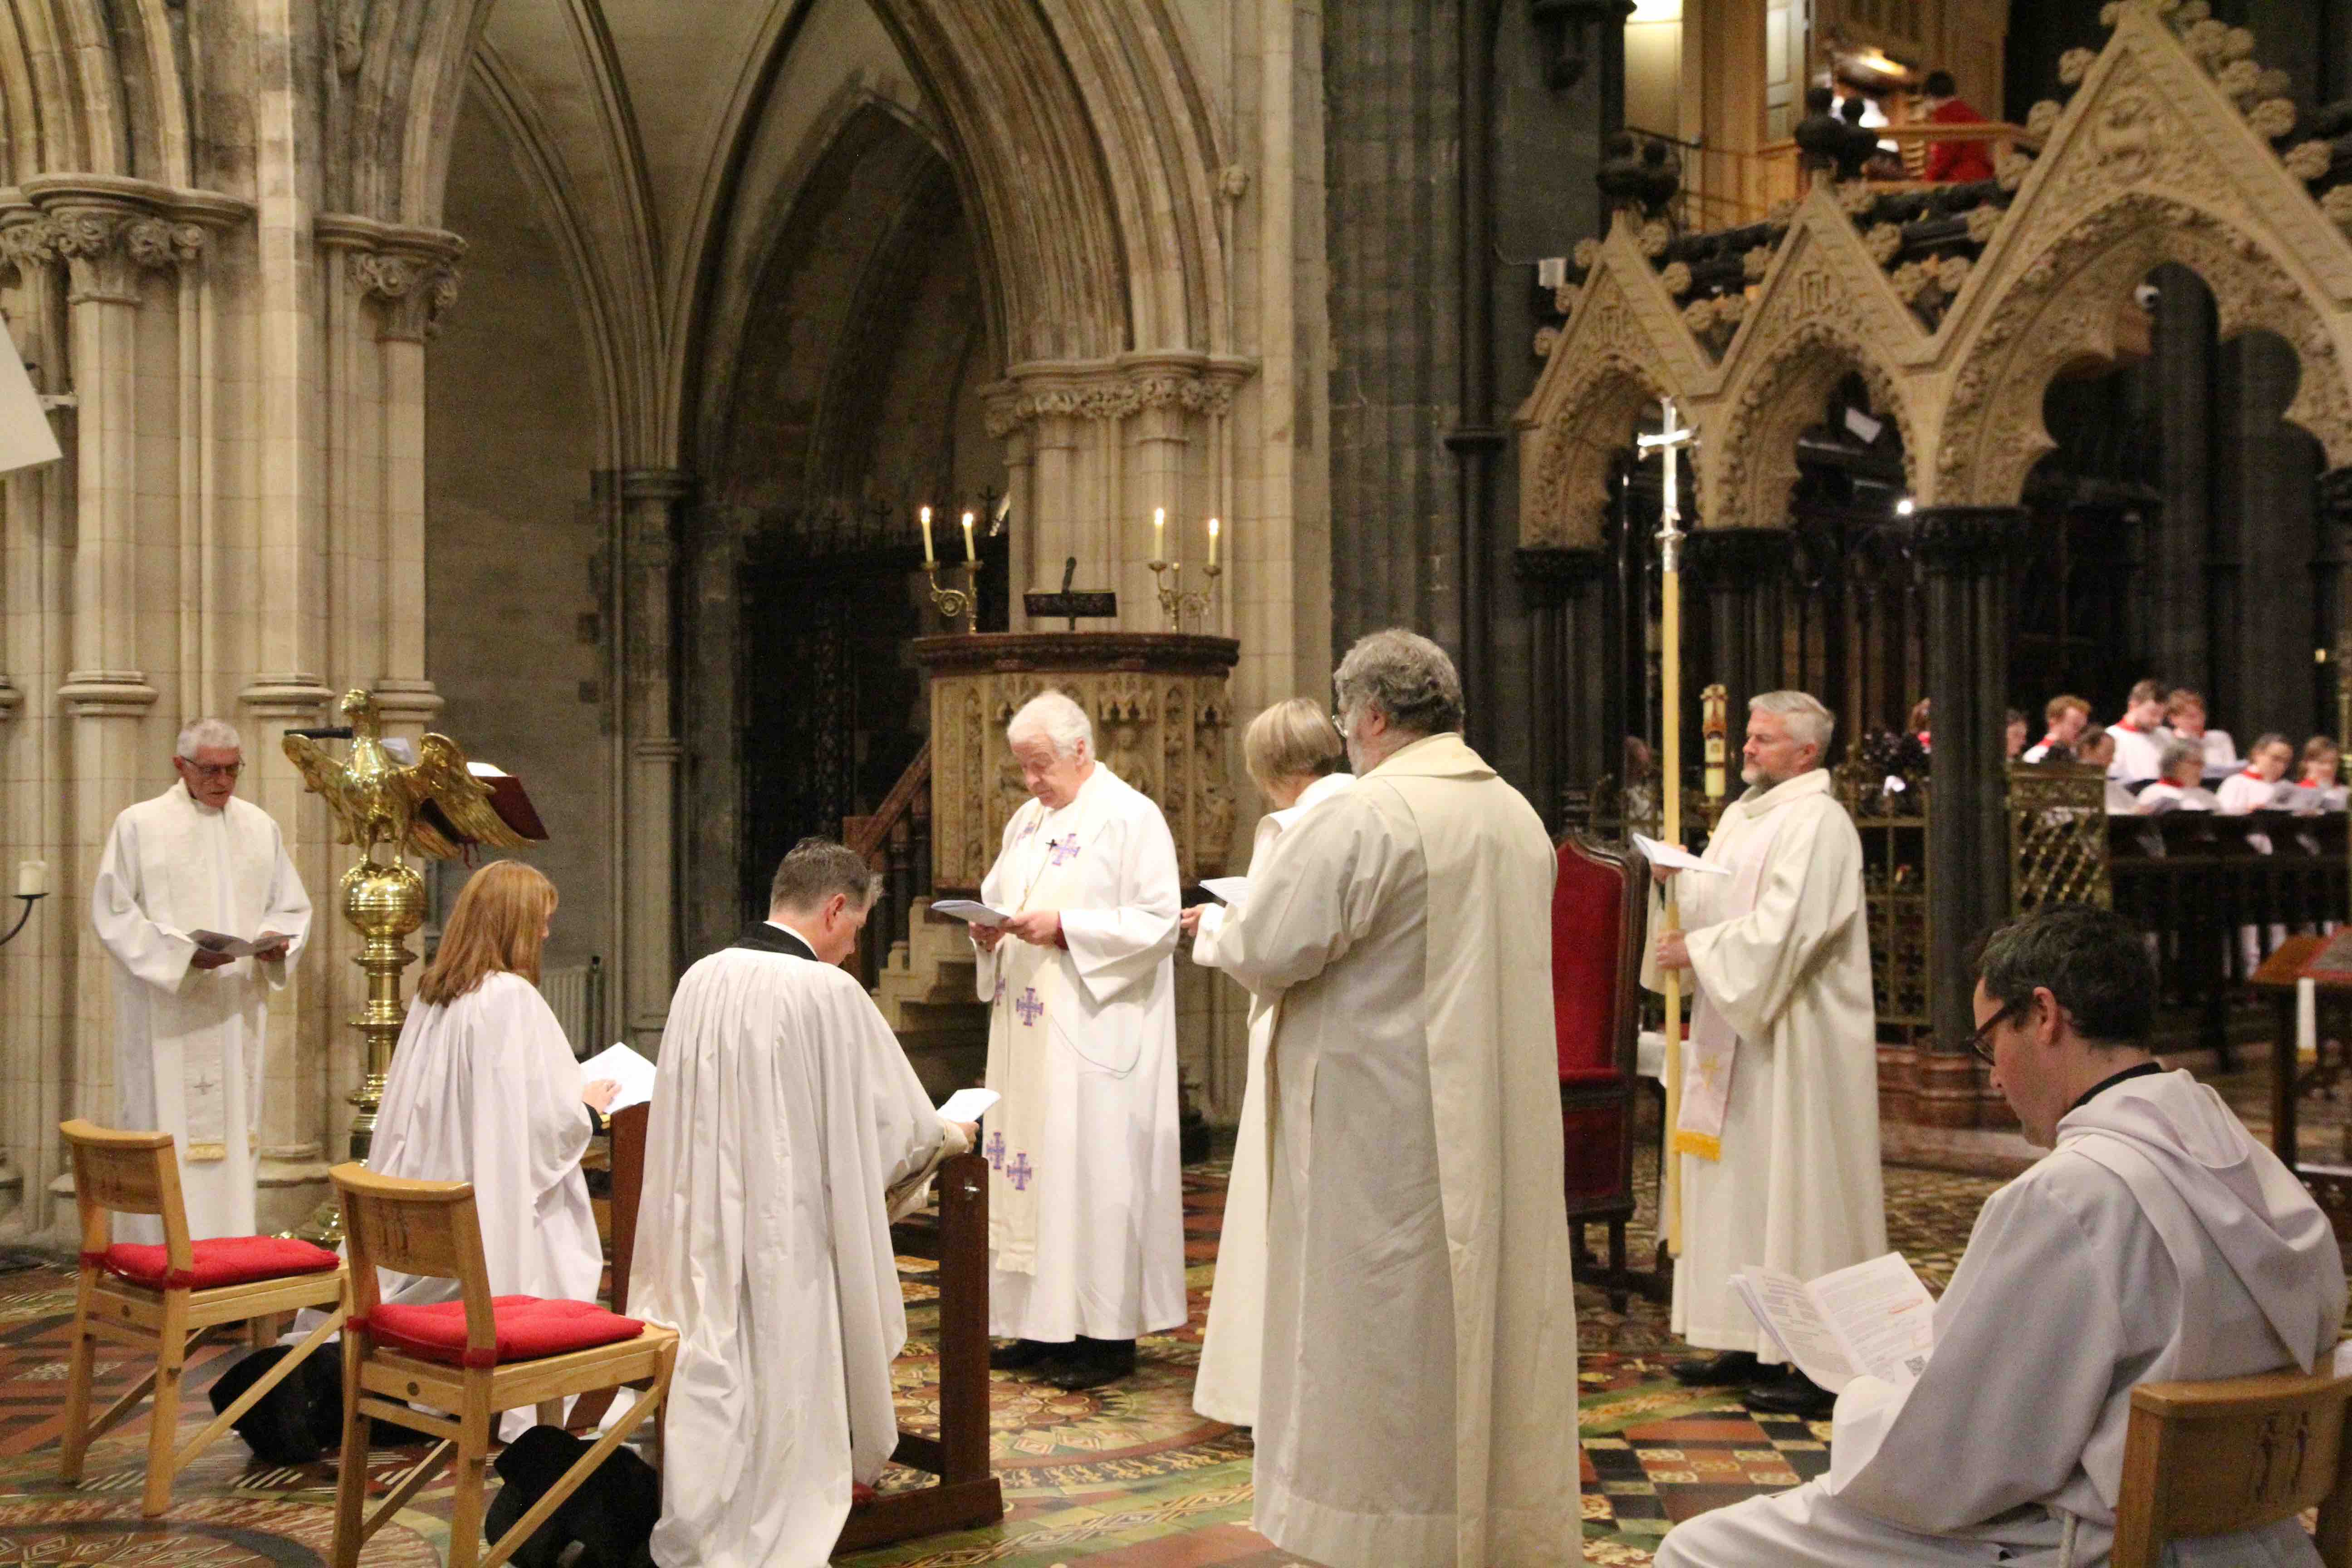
[(1598, 907)]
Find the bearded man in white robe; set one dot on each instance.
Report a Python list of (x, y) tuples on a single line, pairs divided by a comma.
[(1777, 1135), (1086, 1216), (189, 1022), (786, 1127), (1417, 1400), (2158, 1242)]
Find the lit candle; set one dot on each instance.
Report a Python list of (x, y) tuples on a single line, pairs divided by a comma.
[(971, 550), (929, 559), (1159, 533), (1213, 543), (32, 878)]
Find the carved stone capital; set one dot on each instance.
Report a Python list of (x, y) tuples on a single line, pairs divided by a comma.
[(1170, 382), (1966, 540), (107, 230), (107, 693), (410, 275)]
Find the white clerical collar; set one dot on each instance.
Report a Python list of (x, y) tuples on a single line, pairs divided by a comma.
[(187, 797), (796, 933)]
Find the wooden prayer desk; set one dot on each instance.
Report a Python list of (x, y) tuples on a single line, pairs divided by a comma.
[(967, 1493), (2326, 961)]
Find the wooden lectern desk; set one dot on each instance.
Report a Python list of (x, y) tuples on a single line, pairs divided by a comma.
[(967, 1493)]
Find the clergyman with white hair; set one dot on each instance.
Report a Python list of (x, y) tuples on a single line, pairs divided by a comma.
[(1417, 1400), (189, 1020), (1778, 1128), (1086, 1223)]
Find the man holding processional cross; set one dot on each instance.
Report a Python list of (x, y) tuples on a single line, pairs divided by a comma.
[(1772, 1153)]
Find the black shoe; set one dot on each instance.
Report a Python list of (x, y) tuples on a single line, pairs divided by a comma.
[(1093, 1363), (1022, 1354), (1730, 1368), (1789, 1393)]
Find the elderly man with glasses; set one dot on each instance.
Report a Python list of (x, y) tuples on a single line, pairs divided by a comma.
[(2157, 1242), (202, 913)]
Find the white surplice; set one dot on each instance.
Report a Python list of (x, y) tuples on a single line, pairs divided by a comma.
[(1086, 1217), (783, 1108), (2139, 753), (1798, 1185), (188, 1042), (1420, 1307), (1226, 1386), (2157, 1242)]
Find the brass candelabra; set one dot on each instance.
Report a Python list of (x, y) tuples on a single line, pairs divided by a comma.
[(957, 603), (1175, 601)]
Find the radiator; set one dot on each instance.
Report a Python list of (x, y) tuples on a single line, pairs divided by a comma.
[(577, 995)]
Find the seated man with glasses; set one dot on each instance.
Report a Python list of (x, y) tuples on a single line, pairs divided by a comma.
[(2157, 1242), (180, 872)]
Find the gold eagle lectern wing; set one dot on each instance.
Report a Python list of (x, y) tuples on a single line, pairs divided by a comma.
[(327, 777), (438, 779)]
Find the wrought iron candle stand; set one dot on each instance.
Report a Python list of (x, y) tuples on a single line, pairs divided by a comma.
[(958, 604), (29, 900)]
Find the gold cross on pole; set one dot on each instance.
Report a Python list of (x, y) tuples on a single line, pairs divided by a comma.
[(1668, 444)]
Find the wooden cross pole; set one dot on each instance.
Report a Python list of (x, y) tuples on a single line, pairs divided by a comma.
[(1672, 437)]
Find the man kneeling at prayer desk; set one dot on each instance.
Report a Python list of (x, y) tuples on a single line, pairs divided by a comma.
[(2157, 1242), (784, 1112)]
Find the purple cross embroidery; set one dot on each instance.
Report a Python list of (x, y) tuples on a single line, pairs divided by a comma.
[(1064, 850), (1029, 1008), (1018, 1172), (995, 1150)]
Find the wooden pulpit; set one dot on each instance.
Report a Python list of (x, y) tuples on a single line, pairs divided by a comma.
[(966, 1493)]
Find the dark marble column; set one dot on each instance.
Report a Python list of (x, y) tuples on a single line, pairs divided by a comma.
[(2331, 552), (1967, 553), (1744, 572), (1563, 591)]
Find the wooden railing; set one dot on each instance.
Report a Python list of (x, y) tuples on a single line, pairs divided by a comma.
[(895, 841), (1724, 188)]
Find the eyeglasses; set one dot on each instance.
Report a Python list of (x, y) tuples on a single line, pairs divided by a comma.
[(1981, 1041), (212, 770), (1340, 722)]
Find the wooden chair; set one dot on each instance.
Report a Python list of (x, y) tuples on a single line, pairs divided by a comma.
[(474, 1356), (1598, 909), (2213, 1458), (967, 1493), (172, 1298)]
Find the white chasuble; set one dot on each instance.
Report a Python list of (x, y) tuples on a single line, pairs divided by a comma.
[(188, 1042), (784, 1109), (1086, 1202), (1226, 1386), (1784, 967), (2157, 1242), (1419, 1303)]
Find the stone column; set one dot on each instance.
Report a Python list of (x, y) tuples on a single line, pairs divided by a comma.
[(1744, 572), (650, 503), (1967, 551), (1562, 590), (2332, 526)]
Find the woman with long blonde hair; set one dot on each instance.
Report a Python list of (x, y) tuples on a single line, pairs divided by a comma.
[(484, 1088)]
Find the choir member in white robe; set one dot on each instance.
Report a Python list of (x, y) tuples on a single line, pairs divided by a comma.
[(2068, 716), (189, 1024), (785, 1121), (1420, 1306), (2184, 720), (1290, 751), (2257, 786), (1086, 1220), (2318, 786), (484, 1088), (2139, 735), (2157, 1242), (1779, 1165)]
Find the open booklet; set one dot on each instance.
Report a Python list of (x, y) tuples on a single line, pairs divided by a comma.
[(1225, 889), (1674, 858), (235, 947), (624, 1067), (970, 911), (1874, 1317)]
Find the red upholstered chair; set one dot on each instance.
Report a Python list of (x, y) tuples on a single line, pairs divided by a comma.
[(1598, 905), (476, 1356), (173, 1296)]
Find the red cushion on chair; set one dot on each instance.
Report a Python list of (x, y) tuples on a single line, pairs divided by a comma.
[(222, 1260), (1588, 918), (527, 1329)]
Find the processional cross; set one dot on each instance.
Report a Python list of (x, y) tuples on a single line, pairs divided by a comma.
[(1668, 444)]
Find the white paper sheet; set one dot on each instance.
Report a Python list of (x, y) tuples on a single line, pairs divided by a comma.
[(235, 947), (1874, 1317), (1795, 1324), (973, 913), (624, 1067), (1675, 858), (1228, 890), (25, 438), (969, 1104)]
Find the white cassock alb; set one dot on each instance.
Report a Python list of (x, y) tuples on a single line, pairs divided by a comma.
[(1226, 1387), (784, 1109), (188, 1042), (2139, 753), (1797, 1187), (1419, 1300), (2157, 1242), (1086, 1208), (2246, 791)]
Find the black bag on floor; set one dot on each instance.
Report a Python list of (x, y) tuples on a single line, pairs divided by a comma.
[(297, 1420), (612, 1514)]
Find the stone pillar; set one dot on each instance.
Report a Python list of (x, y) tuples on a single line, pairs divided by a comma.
[(1744, 572), (1967, 551), (1562, 589), (650, 503), (2331, 528)]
